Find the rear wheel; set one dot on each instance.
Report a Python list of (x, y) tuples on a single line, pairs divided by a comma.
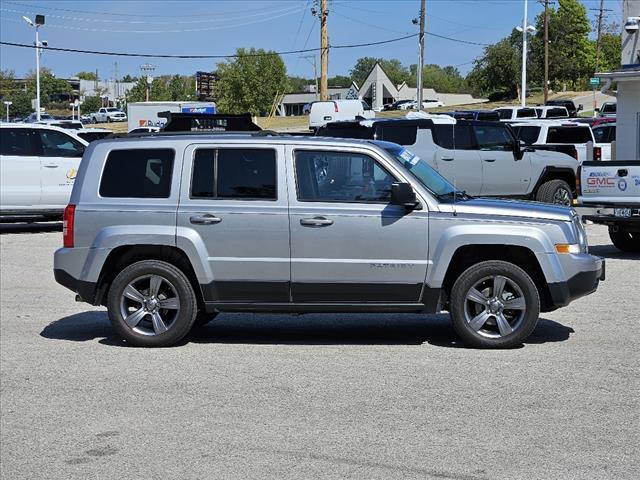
[(625, 241), (152, 304), (555, 191), (494, 304)]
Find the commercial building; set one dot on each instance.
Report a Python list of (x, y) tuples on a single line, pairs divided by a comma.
[(376, 90), (627, 79)]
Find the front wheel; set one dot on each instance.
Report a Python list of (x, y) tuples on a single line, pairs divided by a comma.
[(94, 120), (625, 241), (555, 191), (494, 304), (152, 304), (108, 119)]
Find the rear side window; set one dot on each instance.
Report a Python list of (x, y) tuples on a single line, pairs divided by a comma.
[(402, 135), (234, 173), (443, 135), (569, 135), (16, 141), (463, 138), (505, 114), (137, 173), (526, 113), (528, 135)]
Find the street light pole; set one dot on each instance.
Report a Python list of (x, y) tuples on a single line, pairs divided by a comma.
[(39, 20), (525, 29), (7, 103)]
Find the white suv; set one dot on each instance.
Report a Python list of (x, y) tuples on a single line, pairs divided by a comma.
[(38, 165)]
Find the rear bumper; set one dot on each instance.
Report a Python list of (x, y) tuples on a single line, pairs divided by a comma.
[(579, 285), (85, 290)]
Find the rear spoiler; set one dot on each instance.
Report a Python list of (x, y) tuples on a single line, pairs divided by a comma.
[(208, 122)]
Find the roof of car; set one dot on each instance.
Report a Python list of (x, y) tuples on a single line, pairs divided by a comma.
[(549, 123)]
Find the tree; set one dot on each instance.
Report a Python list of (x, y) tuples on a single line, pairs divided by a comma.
[(250, 82), (442, 79), (129, 79), (394, 69), (50, 86), (339, 81), (298, 84), (498, 69), (91, 104), (180, 87), (87, 75)]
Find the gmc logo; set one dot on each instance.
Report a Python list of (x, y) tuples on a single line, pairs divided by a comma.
[(600, 182)]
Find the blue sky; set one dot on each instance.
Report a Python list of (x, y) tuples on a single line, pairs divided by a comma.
[(219, 27)]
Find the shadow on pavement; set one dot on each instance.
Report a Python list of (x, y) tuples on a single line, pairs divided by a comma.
[(39, 227), (310, 329), (609, 251)]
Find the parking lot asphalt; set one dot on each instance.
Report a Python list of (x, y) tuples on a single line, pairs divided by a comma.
[(314, 396)]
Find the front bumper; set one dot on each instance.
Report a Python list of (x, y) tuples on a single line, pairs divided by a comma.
[(579, 285)]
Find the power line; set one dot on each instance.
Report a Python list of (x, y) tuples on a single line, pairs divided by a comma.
[(140, 15), (144, 55)]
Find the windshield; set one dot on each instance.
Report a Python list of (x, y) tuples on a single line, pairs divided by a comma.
[(609, 108), (427, 176), (112, 109)]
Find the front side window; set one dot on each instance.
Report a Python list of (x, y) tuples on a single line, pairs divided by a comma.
[(16, 141), (234, 173), (493, 138), (137, 173), (488, 116), (341, 177), (557, 113), (58, 144)]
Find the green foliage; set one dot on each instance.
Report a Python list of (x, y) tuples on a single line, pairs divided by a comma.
[(128, 78), (87, 75), (91, 104), (298, 84), (394, 69), (610, 52), (50, 86), (250, 82), (339, 81), (442, 79), (498, 69), (10, 91), (163, 88)]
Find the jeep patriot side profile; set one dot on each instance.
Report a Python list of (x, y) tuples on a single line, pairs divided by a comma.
[(167, 231)]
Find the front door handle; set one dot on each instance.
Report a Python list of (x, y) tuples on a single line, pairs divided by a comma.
[(489, 159), (447, 159), (316, 222), (206, 219), (51, 165)]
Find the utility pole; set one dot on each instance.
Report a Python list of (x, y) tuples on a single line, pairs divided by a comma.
[(546, 51), (420, 57), (324, 50), (147, 69), (600, 11), (525, 29)]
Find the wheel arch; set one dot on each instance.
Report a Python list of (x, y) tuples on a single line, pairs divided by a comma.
[(556, 173)]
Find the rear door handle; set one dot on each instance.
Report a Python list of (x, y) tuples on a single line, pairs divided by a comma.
[(489, 159), (316, 222), (206, 219), (447, 159), (51, 165)]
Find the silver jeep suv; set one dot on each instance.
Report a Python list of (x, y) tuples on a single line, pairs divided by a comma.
[(169, 230)]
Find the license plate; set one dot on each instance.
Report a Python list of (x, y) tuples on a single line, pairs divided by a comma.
[(622, 212)]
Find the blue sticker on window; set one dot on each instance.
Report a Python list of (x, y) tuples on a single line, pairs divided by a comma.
[(409, 157)]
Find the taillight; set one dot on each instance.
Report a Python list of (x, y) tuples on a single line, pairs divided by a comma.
[(578, 184), (67, 226), (574, 153), (335, 107), (597, 153)]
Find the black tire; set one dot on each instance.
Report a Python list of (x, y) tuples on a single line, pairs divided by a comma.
[(94, 120), (522, 324), (182, 320), (555, 191), (108, 119), (202, 318), (625, 241)]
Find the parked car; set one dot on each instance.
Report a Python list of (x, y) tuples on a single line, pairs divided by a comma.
[(578, 135), (554, 112), (44, 118), (38, 167), (93, 134), (66, 124), (247, 222), (509, 114), (425, 104), (481, 158), (395, 105), (594, 121), (612, 189), (108, 114), (607, 110), (566, 103), (336, 110), (145, 130)]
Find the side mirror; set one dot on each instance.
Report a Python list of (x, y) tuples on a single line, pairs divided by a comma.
[(597, 109), (403, 194), (518, 149), (580, 107)]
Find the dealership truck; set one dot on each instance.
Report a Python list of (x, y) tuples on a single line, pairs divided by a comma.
[(145, 114)]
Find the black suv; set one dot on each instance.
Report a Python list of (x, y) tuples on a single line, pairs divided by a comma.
[(568, 104)]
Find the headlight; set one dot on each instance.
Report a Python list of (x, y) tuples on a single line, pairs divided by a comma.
[(580, 233)]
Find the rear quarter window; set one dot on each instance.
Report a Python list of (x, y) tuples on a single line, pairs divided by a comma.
[(526, 113), (137, 173)]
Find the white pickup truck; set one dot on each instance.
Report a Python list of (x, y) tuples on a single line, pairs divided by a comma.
[(539, 133), (108, 114), (612, 191)]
